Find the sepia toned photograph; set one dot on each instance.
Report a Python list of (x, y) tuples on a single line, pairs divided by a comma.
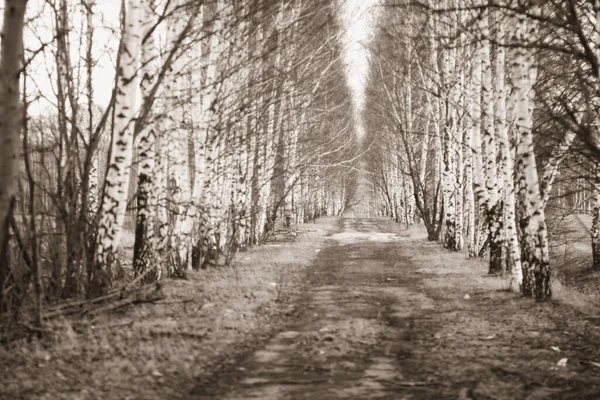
[(300, 199)]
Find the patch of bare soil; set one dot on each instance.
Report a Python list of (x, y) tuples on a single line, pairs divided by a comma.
[(399, 318), (161, 350)]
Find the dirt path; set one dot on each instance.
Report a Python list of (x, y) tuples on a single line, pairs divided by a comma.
[(386, 316)]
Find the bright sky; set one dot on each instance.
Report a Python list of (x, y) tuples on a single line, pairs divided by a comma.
[(358, 21), (40, 32)]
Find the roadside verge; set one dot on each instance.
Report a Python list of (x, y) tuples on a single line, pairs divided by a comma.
[(162, 349)]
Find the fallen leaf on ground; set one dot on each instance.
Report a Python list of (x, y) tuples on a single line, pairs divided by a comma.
[(562, 362)]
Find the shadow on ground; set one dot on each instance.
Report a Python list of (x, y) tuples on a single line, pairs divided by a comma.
[(387, 315)]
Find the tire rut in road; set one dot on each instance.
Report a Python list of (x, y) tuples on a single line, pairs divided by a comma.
[(353, 331)]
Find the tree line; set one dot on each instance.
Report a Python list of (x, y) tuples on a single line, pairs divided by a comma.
[(226, 120), (483, 113)]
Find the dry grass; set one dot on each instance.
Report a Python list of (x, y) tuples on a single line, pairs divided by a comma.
[(586, 303), (205, 323), (490, 343), (161, 350), (574, 283)]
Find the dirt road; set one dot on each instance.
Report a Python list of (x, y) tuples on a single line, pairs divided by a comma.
[(388, 316)]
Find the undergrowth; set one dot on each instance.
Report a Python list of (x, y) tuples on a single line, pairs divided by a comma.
[(162, 349)]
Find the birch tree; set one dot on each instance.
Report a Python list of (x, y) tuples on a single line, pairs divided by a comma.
[(144, 250), (507, 167), (534, 242), (114, 198), (244, 93)]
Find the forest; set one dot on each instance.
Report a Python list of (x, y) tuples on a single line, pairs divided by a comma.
[(483, 124), (214, 131), (147, 143)]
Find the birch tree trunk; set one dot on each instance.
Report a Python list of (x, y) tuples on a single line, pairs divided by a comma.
[(144, 257), (534, 240), (458, 184), (507, 163), (177, 127), (449, 142), (493, 204), (469, 194), (94, 182), (474, 154), (269, 141), (241, 178), (205, 146), (161, 165), (293, 167), (114, 199), (437, 137)]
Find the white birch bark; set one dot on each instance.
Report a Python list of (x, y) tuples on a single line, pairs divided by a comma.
[(143, 251), (469, 194), (459, 161), (176, 124), (437, 109), (534, 242), (242, 179), (256, 150), (161, 165), (450, 130), (493, 205), (293, 166), (206, 147), (507, 164), (114, 199), (268, 160), (476, 118), (94, 181), (475, 175), (268, 145)]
